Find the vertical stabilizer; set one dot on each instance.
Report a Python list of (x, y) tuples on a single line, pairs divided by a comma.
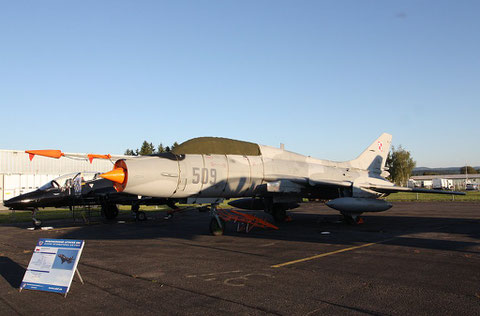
[(375, 156)]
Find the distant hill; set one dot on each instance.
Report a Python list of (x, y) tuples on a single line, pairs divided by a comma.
[(419, 171)]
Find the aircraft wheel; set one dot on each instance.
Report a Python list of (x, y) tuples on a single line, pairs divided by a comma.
[(141, 216), (110, 211), (215, 229), (352, 219), (37, 224)]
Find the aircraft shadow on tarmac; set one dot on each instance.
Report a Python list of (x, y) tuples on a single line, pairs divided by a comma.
[(305, 227), (11, 271)]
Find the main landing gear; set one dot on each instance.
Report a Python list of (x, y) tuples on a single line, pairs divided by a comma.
[(139, 215), (110, 211), (279, 210), (352, 219), (173, 209)]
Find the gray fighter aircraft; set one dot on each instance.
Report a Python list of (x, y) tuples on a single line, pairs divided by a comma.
[(65, 258), (208, 170)]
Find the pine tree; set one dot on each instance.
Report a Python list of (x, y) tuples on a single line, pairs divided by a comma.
[(160, 148), (146, 149)]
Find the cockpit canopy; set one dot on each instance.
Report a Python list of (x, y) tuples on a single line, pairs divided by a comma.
[(67, 180), (217, 146)]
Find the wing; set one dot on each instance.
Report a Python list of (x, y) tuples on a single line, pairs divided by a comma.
[(394, 189), (379, 188)]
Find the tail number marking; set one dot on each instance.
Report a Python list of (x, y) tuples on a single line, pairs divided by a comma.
[(203, 175)]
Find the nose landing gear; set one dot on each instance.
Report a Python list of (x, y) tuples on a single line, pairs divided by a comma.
[(37, 224), (217, 225)]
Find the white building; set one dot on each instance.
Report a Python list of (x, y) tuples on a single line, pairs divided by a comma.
[(458, 180), (19, 175)]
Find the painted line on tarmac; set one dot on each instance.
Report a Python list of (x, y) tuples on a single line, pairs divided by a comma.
[(328, 254)]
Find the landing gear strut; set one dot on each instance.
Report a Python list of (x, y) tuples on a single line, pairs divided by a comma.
[(139, 215), (110, 211), (37, 224), (279, 210), (217, 225)]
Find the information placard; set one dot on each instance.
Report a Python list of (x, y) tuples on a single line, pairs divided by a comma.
[(53, 265)]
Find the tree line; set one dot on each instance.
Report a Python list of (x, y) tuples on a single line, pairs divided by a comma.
[(462, 170), (149, 149), (469, 170)]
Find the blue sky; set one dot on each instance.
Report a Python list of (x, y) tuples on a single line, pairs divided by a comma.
[(324, 77)]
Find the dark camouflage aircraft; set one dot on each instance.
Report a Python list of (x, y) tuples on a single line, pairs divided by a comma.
[(65, 258), (80, 189)]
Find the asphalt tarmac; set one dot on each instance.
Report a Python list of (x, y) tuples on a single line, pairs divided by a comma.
[(415, 259)]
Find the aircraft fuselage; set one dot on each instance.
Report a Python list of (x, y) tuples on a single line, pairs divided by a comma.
[(275, 171)]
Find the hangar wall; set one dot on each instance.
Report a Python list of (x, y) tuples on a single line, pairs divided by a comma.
[(19, 175)]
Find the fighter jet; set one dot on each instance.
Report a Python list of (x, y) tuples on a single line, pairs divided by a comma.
[(208, 170), (80, 189), (65, 258)]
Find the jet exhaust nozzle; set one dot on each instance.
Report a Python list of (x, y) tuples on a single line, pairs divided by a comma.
[(358, 205)]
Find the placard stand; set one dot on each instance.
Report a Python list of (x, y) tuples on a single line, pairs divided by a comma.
[(53, 265), (79, 276)]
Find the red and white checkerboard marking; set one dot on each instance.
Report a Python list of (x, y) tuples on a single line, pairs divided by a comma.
[(380, 146)]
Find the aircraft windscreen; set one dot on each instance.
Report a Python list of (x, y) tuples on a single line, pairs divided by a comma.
[(88, 176), (48, 185)]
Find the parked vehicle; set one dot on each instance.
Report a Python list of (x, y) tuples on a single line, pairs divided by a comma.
[(471, 186), (442, 184)]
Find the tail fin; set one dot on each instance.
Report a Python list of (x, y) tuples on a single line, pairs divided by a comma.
[(375, 156)]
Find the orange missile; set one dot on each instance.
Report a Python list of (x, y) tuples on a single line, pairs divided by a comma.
[(46, 153), (116, 175)]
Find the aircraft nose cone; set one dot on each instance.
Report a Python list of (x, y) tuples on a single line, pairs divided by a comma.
[(21, 202), (14, 202)]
